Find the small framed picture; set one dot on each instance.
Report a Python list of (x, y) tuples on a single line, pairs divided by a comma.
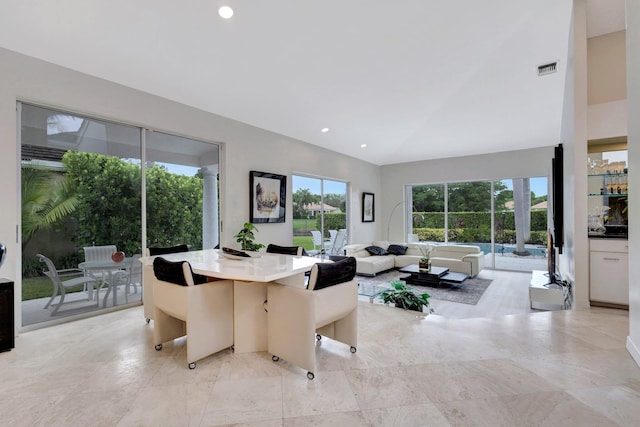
[(268, 195), (368, 207)]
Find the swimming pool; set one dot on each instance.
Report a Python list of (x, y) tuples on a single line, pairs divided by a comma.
[(502, 249)]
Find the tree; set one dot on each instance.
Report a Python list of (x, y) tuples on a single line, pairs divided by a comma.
[(336, 200), (109, 209), (301, 198), (46, 199)]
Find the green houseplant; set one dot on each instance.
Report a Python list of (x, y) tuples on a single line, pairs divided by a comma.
[(246, 236), (403, 296)]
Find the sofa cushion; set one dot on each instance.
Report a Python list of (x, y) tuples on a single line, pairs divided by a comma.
[(372, 265), (394, 249), (376, 250)]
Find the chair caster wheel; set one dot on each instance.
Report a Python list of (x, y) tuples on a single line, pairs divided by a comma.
[(310, 375), (192, 365), (158, 347), (353, 349), (318, 337), (147, 320), (275, 358)]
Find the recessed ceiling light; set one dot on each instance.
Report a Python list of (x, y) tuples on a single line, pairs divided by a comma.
[(363, 145), (225, 12), (324, 130)]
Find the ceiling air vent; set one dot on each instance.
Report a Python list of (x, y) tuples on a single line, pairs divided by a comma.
[(549, 68)]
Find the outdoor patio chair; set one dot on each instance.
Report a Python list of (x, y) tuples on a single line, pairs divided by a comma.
[(60, 286), (317, 242), (98, 253), (130, 276)]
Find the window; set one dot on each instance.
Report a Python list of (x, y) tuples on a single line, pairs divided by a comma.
[(506, 218), (83, 186), (319, 215)]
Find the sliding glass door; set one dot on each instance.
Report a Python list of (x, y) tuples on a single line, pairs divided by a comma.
[(319, 215), (506, 218), (83, 189)]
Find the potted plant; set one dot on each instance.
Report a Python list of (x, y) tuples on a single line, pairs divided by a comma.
[(424, 263), (246, 236), (403, 296)]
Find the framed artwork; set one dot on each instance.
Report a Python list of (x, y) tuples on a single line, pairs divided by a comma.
[(368, 207), (268, 195)]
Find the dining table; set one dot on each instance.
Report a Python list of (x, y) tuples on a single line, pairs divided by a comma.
[(251, 277), (106, 268)]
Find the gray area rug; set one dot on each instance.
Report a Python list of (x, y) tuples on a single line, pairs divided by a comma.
[(468, 292)]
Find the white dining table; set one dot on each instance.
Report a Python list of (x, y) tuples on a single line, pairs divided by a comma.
[(106, 266), (250, 276)]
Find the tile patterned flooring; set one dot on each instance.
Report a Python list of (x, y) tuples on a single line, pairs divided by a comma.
[(542, 368)]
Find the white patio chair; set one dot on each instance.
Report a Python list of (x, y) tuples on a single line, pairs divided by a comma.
[(338, 243), (130, 276), (99, 253), (60, 286), (317, 242)]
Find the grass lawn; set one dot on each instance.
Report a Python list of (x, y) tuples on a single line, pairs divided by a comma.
[(305, 241), (41, 287)]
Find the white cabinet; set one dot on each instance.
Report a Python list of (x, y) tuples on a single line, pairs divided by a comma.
[(609, 271)]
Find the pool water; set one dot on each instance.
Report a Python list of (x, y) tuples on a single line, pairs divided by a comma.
[(502, 249)]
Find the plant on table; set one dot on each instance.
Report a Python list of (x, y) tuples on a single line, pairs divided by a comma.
[(403, 296), (246, 236), (424, 263)]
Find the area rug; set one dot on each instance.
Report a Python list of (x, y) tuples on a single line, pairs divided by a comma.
[(468, 292)]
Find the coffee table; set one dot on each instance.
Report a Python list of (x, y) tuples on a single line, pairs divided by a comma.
[(436, 276), (371, 291)]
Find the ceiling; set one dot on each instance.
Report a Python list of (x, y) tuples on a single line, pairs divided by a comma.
[(411, 79)]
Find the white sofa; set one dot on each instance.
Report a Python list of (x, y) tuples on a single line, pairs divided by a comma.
[(466, 259)]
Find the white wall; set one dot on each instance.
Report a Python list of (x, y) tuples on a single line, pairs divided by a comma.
[(633, 143), (493, 166), (245, 148), (575, 262)]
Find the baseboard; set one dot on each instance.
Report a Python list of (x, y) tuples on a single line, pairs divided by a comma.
[(633, 350)]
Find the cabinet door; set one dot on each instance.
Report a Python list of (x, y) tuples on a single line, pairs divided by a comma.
[(609, 277)]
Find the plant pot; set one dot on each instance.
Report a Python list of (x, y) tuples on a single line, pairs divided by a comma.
[(424, 266)]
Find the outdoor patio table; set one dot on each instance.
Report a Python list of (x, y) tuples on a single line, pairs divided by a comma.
[(109, 267)]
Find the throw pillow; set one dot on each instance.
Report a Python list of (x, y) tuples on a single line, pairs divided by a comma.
[(376, 250), (397, 249)]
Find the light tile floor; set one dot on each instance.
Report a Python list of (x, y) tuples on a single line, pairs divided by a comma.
[(545, 368)]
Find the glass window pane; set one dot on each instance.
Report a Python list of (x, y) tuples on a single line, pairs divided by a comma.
[(182, 192), (319, 215), (80, 188), (428, 220)]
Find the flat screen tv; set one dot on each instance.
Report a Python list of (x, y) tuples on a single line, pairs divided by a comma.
[(557, 187), (551, 258)]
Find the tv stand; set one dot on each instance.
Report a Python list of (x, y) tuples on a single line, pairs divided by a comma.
[(542, 291)]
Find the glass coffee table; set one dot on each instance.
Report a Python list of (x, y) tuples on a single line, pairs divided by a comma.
[(371, 290), (435, 276)]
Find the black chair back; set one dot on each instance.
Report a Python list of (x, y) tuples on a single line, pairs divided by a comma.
[(285, 250), (169, 250), (173, 272)]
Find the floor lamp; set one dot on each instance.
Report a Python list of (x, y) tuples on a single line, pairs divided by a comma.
[(415, 216)]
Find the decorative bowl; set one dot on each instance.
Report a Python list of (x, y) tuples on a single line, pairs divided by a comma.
[(117, 256)]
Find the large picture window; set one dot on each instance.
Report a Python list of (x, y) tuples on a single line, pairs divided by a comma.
[(506, 218)]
